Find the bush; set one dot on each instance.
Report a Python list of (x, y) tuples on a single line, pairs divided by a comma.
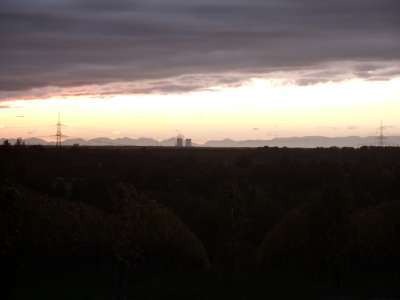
[(376, 243), (311, 240)]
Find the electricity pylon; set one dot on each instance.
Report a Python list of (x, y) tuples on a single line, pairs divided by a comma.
[(59, 134), (381, 136)]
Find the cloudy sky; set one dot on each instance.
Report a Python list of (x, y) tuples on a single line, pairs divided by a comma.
[(238, 68)]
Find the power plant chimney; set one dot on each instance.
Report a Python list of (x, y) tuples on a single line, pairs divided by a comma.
[(179, 141), (188, 143)]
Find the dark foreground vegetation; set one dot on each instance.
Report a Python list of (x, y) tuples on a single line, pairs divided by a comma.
[(164, 223)]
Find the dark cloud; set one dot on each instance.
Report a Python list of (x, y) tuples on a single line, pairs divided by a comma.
[(69, 43)]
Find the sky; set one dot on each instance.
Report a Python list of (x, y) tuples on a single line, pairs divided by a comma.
[(244, 69)]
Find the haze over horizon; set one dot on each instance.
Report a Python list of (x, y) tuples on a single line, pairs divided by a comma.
[(237, 69)]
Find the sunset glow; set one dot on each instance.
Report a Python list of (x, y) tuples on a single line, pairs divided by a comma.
[(259, 109)]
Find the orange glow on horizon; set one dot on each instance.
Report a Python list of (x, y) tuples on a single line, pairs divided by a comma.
[(260, 109)]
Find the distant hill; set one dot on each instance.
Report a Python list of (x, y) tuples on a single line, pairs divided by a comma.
[(306, 142), (71, 142), (29, 141), (168, 142), (290, 142)]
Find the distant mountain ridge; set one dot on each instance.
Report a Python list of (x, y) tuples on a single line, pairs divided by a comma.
[(290, 142), (100, 141), (307, 142)]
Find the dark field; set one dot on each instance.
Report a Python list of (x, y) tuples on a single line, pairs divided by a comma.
[(166, 223)]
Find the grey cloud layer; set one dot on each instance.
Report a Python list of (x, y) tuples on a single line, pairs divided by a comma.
[(69, 43)]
